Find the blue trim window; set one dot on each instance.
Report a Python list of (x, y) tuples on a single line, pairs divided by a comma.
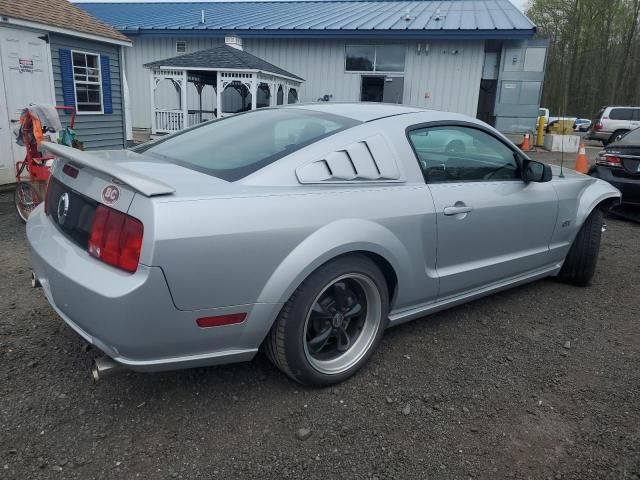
[(87, 80)]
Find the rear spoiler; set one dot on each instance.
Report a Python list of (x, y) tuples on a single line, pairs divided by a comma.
[(143, 184)]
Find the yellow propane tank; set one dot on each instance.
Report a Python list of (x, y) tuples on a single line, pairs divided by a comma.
[(540, 132)]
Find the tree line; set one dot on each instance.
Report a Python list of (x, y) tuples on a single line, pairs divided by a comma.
[(594, 54)]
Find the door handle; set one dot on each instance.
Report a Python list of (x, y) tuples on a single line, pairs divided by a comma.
[(458, 208)]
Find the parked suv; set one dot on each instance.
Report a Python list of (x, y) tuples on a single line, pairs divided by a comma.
[(612, 123)]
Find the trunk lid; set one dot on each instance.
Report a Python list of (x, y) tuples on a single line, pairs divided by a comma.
[(629, 158), (81, 181)]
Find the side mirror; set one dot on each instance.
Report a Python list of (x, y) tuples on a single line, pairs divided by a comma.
[(536, 172)]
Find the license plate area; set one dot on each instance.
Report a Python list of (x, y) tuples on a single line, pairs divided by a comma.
[(70, 211)]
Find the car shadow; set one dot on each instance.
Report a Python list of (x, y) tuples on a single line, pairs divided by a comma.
[(260, 372)]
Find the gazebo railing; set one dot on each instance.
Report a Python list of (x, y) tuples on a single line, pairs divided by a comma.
[(199, 116), (169, 121), (253, 82)]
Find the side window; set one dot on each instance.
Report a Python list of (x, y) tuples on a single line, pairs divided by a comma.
[(462, 154), (621, 114), (636, 114)]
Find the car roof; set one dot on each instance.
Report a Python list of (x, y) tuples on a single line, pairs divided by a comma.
[(362, 112)]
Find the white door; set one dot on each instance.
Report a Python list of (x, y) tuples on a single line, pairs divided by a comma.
[(26, 78)]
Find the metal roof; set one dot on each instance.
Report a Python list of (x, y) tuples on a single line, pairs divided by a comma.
[(222, 57), (415, 19)]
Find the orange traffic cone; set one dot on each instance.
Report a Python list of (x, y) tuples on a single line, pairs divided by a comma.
[(582, 162), (525, 146)]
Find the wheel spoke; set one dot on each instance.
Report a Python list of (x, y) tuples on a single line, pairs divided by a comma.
[(318, 342), (320, 312), (355, 310), (344, 341), (341, 296)]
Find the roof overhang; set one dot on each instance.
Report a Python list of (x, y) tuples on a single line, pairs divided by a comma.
[(18, 22), (234, 70), (426, 34)]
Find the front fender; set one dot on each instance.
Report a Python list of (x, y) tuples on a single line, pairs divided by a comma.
[(592, 196), (334, 239)]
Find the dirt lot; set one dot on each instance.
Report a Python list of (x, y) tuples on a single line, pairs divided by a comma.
[(542, 381)]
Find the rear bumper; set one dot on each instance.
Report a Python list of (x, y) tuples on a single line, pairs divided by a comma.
[(131, 317), (629, 187), (599, 135)]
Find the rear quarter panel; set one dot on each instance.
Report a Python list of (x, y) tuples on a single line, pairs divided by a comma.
[(234, 251), (258, 244)]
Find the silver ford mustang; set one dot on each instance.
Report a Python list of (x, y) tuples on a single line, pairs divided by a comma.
[(307, 230)]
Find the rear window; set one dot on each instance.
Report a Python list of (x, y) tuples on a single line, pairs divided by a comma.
[(236, 146), (621, 114)]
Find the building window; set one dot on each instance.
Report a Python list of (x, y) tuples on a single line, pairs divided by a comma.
[(181, 46), (380, 58), (87, 83)]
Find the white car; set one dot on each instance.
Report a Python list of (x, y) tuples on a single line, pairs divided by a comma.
[(611, 123)]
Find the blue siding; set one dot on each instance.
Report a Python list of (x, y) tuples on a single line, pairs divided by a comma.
[(96, 131)]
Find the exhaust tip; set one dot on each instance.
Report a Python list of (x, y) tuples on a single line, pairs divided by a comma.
[(95, 374), (104, 366), (35, 283)]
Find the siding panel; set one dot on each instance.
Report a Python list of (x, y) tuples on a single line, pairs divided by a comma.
[(451, 80), (100, 131)]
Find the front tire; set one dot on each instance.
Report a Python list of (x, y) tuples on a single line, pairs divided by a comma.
[(332, 323), (580, 264)]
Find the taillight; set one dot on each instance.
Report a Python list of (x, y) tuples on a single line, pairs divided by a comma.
[(116, 238), (599, 126), (609, 160)]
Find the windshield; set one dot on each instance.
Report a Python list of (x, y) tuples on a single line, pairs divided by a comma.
[(598, 115), (236, 146)]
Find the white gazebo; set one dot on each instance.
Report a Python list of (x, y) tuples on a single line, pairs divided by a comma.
[(199, 86)]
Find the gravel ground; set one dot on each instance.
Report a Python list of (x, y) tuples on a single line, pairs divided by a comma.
[(542, 381)]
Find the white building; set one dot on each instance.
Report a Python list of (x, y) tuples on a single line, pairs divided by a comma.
[(470, 56)]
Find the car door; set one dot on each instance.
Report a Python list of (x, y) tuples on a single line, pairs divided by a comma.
[(491, 225)]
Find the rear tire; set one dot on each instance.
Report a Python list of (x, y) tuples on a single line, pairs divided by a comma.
[(317, 339), (580, 264), (25, 198)]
